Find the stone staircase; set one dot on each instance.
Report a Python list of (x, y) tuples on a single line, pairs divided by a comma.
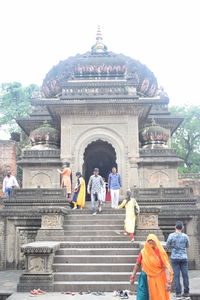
[(93, 257)]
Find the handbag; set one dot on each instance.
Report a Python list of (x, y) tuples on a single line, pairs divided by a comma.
[(136, 210)]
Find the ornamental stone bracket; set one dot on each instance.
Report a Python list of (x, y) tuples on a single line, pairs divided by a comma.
[(38, 266), (147, 222), (52, 219)]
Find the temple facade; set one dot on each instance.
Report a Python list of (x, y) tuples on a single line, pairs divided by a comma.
[(97, 109), (100, 109)]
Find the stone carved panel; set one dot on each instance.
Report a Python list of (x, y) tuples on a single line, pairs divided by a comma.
[(147, 221), (158, 178), (52, 221), (24, 237), (1, 244), (36, 264)]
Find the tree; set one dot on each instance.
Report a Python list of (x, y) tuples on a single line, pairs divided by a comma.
[(14, 103), (186, 139)]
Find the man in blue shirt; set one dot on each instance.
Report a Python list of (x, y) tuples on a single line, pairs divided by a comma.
[(114, 186), (178, 242)]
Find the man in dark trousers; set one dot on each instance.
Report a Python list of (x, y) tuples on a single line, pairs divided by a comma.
[(178, 242)]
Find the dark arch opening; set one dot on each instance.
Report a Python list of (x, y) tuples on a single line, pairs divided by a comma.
[(99, 154)]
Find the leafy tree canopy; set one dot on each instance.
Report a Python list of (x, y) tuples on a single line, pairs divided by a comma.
[(186, 140), (14, 103)]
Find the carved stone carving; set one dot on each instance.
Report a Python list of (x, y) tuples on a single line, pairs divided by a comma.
[(52, 221), (36, 264), (147, 221), (1, 229)]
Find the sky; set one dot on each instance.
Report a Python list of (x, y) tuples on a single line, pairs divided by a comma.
[(163, 34)]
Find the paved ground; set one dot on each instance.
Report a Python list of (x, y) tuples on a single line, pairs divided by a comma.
[(59, 296), (9, 279)]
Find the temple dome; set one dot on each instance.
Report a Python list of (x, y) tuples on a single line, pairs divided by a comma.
[(99, 63), (45, 137), (154, 136)]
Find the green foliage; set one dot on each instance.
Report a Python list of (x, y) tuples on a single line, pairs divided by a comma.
[(186, 140), (14, 103)]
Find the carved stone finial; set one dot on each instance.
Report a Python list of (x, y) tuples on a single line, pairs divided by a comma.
[(99, 47)]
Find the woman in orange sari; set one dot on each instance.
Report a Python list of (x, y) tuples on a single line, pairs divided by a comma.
[(156, 276), (66, 178)]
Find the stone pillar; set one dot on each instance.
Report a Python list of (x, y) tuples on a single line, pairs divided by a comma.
[(38, 266), (51, 224), (66, 155), (133, 151), (133, 176)]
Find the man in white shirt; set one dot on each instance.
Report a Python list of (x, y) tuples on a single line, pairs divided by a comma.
[(8, 183)]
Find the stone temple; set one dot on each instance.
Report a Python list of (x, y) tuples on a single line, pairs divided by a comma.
[(97, 109)]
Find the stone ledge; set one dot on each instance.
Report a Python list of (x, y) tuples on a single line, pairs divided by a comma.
[(40, 247)]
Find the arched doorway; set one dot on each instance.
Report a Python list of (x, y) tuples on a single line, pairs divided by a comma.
[(99, 154)]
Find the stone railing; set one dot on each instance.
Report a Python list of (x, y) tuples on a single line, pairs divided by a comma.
[(37, 196), (41, 153), (164, 196), (38, 266), (157, 152)]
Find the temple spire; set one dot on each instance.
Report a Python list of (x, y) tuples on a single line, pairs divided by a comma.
[(99, 47), (99, 35)]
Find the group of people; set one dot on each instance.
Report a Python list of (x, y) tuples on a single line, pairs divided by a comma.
[(156, 276), (96, 188), (157, 272)]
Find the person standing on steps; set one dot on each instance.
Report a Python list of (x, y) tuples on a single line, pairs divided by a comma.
[(156, 272), (9, 182), (178, 242), (114, 186), (66, 179), (132, 210), (79, 192), (94, 189)]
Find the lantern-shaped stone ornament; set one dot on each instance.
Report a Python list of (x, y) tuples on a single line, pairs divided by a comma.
[(154, 136), (45, 137)]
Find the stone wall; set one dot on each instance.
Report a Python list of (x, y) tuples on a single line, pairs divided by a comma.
[(191, 180), (7, 160)]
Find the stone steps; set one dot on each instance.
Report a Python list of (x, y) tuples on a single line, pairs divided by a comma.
[(97, 251), (91, 276), (99, 217), (99, 232), (93, 267), (94, 286), (94, 222), (93, 257), (98, 244), (93, 227), (96, 238)]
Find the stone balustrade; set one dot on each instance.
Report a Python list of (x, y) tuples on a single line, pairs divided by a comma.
[(36, 196), (164, 196)]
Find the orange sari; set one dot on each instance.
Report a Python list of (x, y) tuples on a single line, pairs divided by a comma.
[(154, 266)]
